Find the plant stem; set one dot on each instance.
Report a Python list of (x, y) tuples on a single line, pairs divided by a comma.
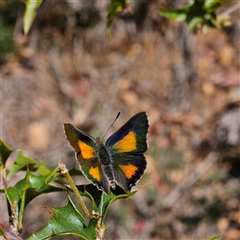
[(63, 170)]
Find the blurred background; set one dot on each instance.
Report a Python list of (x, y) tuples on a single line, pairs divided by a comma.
[(66, 70)]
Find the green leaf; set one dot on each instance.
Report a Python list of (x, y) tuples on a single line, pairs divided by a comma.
[(175, 14), (21, 163), (216, 237), (33, 184), (30, 13), (115, 7), (197, 13), (193, 23), (67, 220), (100, 200), (24, 191), (5, 152), (211, 5), (43, 169)]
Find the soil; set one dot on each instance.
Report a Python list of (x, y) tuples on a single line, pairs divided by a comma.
[(187, 83)]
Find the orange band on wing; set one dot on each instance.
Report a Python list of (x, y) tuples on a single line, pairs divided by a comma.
[(127, 144), (86, 150), (95, 173), (129, 170)]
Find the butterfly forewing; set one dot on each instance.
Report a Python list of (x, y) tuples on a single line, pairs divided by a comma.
[(82, 144), (86, 156), (132, 136)]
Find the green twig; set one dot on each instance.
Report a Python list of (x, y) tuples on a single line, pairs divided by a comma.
[(63, 170)]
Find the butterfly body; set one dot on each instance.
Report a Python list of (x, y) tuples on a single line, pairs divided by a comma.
[(119, 161)]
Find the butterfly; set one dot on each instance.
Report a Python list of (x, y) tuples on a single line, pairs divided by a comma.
[(120, 161)]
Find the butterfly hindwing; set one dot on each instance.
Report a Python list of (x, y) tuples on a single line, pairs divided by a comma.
[(131, 137), (128, 169), (85, 154), (94, 172)]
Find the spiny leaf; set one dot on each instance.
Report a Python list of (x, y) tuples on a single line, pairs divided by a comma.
[(20, 164), (30, 13), (67, 220), (100, 200), (5, 152), (24, 191), (36, 184)]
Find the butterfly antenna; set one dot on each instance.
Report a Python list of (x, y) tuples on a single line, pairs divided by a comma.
[(111, 124)]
